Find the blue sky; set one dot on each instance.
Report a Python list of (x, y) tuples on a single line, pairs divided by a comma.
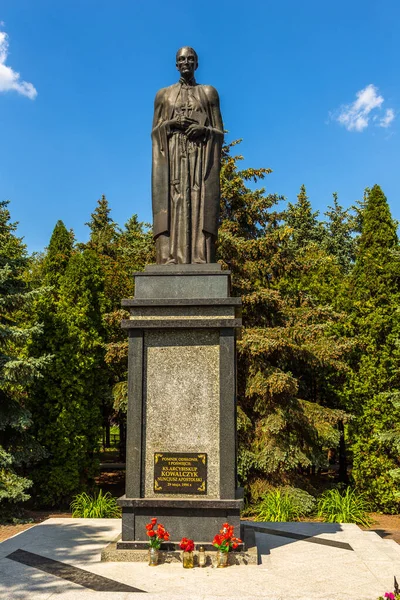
[(312, 87)]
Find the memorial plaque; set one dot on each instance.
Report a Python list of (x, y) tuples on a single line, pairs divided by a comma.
[(180, 473)]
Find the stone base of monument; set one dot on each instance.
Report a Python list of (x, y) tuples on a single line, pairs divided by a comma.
[(195, 519), (181, 419), (118, 551)]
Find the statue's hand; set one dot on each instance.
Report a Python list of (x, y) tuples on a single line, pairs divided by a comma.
[(195, 131), (181, 122)]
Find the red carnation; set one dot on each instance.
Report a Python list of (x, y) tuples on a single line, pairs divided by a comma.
[(225, 540), (186, 545), (158, 536)]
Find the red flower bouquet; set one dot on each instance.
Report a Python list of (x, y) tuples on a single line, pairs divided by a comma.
[(158, 535), (225, 541), (186, 545)]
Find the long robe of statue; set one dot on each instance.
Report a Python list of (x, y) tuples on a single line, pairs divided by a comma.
[(187, 139)]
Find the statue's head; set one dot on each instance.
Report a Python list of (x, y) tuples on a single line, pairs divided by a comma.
[(186, 61)]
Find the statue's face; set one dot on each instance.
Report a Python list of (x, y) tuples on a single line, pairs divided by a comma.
[(186, 62)]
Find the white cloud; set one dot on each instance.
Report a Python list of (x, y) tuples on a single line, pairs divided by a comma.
[(9, 79), (387, 119), (356, 116)]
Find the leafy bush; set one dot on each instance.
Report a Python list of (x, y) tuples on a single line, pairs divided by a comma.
[(376, 453), (280, 505), (305, 501), (348, 507), (256, 490), (100, 506), (372, 468)]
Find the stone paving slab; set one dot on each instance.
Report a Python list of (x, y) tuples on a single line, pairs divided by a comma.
[(290, 567)]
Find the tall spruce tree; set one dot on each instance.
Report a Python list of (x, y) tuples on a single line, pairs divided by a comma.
[(374, 297), (66, 403), (18, 448), (120, 252), (103, 229), (57, 256), (339, 239), (283, 424), (303, 222), (309, 271), (134, 248)]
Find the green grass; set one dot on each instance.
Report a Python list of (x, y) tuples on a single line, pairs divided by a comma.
[(278, 506), (348, 507), (100, 506)]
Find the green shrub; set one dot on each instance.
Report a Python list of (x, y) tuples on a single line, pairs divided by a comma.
[(373, 463), (279, 505), (100, 506), (302, 499), (257, 489), (348, 507)]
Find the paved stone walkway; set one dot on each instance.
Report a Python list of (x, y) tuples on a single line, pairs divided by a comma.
[(60, 559)]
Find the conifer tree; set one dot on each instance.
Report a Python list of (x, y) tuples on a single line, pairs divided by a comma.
[(134, 248), (58, 254), (103, 229), (310, 271), (18, 449), (283, 424), (66, 403), (374, 296), (339, 238), (303, 222), (120, 252), (375, 275)]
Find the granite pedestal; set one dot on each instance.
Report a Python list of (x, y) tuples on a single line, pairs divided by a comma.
[(181, 404)]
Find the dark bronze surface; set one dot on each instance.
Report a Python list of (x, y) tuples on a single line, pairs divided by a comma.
[(180, 473), (187, 138)]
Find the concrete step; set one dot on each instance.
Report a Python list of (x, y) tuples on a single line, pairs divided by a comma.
[(389, 547)]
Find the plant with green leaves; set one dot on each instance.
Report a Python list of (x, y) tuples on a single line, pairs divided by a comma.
[(304, 226), (18, 447), (291, 361), (372, 303), (120, 252), (98, 506), (344, 507), (66, 405), (280, 505), (339, 239)]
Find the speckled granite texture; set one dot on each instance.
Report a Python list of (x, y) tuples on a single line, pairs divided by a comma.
[(181, 393), (111, 554)]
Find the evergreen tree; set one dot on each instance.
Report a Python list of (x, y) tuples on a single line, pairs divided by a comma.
[(339, 234), (283, 424), (374, 296), (303, 222), (103, 229), (134, 249), (66, 404), (58, 254), (18, 449), (120, 252), (376, 271), (309, 271)]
